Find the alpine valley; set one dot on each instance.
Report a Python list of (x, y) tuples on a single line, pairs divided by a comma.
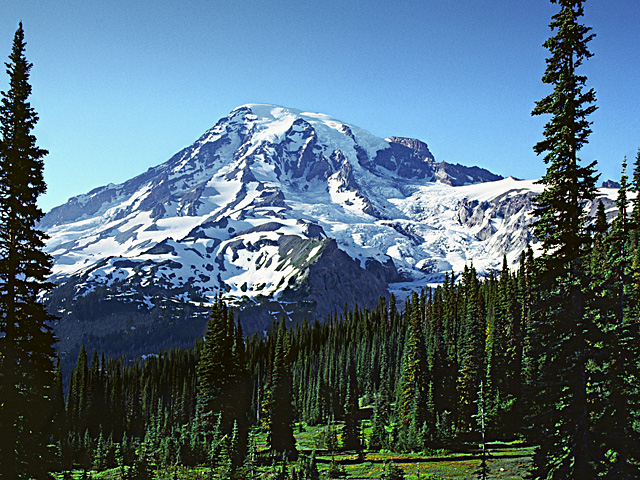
[(282, 213)]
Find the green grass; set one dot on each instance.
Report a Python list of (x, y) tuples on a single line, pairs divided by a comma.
[(183, 473), (506, 461), (505, 464)]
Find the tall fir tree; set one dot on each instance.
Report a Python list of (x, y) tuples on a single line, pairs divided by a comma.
[(415, 377), (77, 396), (472, 365), (282, 415), (351, 430), (562, 328), (382, 410), (26, 338), (215, 368)]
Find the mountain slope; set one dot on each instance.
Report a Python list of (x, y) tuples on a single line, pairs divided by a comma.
[(282, 212)]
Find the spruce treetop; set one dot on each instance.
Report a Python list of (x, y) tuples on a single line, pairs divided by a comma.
[(567, 184)]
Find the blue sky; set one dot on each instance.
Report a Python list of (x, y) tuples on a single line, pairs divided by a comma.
[(121, 86)]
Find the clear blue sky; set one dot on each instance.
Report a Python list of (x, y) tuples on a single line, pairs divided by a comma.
[(121, 86)]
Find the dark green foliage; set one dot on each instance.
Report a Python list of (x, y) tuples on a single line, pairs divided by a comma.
[(581, 342), (26, 338), (617, 357), (59, 426), (330, 438), (281, 414), (392, 472), (320, 371), (336, 470), (250, 464), (504, 350), (316, 370), (633, 278), (223, 387), (562, 328), (414, 386), (307, 468), (472, 355), (216, 367), (351, 430), (141, 469), (382, 412), (100, 454), (138, 398), (598, 253), (77, 398), (557, 342)]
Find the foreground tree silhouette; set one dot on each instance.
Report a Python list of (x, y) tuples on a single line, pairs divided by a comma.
[(26, 339), (563, 332)]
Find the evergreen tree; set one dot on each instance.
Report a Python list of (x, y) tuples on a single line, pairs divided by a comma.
[(530, 361), (351, 431), (26, 338), (307, 467), (281, 415), (414, 370), (119, 454), (382, 409), (598, 253), (562, 328), (77, 399), (216, 368), (472, 352), (635, 187), (95, 396), (100, 454), (233, 450), (619, 373), (141, 469), (250, 464)]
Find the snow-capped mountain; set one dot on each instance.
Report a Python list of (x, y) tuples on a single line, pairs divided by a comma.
[(282, 212)]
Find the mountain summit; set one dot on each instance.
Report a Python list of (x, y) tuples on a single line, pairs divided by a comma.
[(283, 213)]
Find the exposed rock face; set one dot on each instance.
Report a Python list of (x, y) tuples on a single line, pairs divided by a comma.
[(332, 279), (610, 184), (510, 210), (417, 146), (411, 158)]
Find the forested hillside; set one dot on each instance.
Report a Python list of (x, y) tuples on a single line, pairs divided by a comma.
[(415, 373)]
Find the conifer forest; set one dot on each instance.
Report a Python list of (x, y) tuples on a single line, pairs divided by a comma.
[(542, 358)]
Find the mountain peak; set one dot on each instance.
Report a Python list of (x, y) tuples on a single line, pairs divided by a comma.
[(416, 145), (271, 112), (281, 211)]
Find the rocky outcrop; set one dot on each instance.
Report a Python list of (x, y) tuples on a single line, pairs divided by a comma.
[(334, 279)]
